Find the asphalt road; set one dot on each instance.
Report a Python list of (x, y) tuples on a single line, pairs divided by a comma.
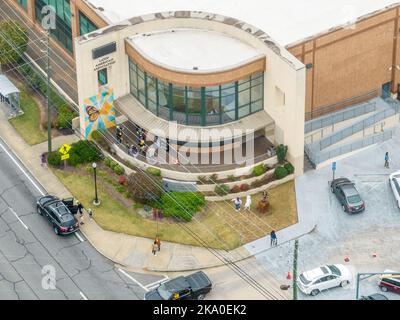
[(30, 251)]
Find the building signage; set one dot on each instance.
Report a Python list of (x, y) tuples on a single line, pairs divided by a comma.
[(104, 63)]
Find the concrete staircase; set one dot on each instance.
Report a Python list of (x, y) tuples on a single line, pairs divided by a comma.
[(349, 130)]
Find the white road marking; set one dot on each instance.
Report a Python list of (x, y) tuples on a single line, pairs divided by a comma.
[(134, 280), (79, 237), (22, 170), (83, 296), (16, 215), (155, 283)]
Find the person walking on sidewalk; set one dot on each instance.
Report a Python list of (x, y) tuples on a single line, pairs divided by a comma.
[(80, 208), (154, 247), (43, 160), (274, 238), (158, 242), (387, 160)]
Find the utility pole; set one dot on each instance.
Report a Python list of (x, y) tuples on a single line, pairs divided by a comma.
[(296, 253), (48, 91)]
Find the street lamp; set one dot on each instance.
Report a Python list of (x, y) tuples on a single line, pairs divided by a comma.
[(96, 200)]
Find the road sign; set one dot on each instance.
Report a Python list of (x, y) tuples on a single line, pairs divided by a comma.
[(64, 149), (64, 157), (333, 166)]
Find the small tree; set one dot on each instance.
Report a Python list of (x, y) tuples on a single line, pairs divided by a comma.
[(281, 152), (143, 187), (13, 41)]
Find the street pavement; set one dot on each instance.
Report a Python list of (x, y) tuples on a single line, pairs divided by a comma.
[(29, 249), (339, 235)]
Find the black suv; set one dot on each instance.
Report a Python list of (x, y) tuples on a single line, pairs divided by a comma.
[(347, 195), (59, 213), (192, 287)]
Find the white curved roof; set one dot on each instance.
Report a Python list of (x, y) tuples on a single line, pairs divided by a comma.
[(286, 21), (6, 86), (193, 49)]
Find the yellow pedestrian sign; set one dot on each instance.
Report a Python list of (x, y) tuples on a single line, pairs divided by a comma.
[(64, 157), (64, 150)]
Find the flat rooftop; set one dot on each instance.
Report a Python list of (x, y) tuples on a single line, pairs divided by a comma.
[(286, 21), (193, 49)]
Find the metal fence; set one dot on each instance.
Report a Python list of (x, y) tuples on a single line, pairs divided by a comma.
[(319, 157), (339, 116), (355, 128)]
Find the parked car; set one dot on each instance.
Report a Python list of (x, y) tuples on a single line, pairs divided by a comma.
[(375, 296), (192, 287), (390, 282), (394, 180), (59, 213), (329, 276), (347, 195)]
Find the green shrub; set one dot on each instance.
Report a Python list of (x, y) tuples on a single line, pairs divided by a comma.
[(235, 189), (14, 41), (231, 178), (258, 170), (281, 152), (120, 189), (54, 159), (119, 170), (202, 179), (280, 172), (154, 171), (83, 152), (182, 205), (144, 188), (221, 189), (213, 178), (289, 168), (108, 161), (64, 119)]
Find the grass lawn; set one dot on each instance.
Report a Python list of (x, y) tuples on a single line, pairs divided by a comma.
[(28, 125), (218, 224)]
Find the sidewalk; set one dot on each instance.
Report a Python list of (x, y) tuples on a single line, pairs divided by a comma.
[(128, 251)]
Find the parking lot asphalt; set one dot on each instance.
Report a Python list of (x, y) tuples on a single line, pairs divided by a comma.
[(338, 235)]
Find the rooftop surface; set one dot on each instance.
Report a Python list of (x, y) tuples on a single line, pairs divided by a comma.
[(189, 48), (286, 21)]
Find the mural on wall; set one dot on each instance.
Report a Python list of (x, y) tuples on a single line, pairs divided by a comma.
[(99, 112)]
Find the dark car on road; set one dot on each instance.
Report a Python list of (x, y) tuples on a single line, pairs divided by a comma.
[(60, 213), (348, 196), (375, 296), (192, 287)]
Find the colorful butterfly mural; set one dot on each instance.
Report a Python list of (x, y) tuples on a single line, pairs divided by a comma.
[(99, 112)]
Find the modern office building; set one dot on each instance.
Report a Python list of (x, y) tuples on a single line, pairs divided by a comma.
[(210, 64)]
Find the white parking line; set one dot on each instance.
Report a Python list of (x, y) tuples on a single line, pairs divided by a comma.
[(134, 280), (155, 283), (16, 215), (83, 296), (79, 237), (22, 170)]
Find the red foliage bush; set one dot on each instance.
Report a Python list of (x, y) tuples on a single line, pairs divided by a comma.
[(235, 189), (122, 180), (244, 187)]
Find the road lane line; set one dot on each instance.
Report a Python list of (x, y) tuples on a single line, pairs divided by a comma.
[(22, 170), (134, 280), (83, 296), (16, 215), (79, 237), (155, 283)]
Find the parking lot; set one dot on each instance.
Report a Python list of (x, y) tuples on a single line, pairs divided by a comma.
[(338, 235)]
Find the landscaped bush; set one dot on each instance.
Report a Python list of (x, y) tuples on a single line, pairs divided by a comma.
[(64, 119), (54, 159), (213, 178), (108, 161), (281, 152), (119, 170), (289, 168), (83, 152), (182, 205), (221, 189), (257, 183), (235, 189), (144, 188), (202, 179), (98, 137), (154, 171), (280, 172), (120, 189), (122, 180), (231, 178), (258, 170), (244, 187)]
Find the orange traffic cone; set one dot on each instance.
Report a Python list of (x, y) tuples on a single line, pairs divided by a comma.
[(289, 276), (346, 259)]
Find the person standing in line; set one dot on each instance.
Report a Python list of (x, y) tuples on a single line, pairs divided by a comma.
[(247, 205), (154, 247), (274, 239), (387, 160), (238, 203)]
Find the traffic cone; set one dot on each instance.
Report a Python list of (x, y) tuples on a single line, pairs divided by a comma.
[(346, 259), (289, 276)]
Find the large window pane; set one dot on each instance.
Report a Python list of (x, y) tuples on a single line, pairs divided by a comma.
[(228, 101), (244, 93), (85, 25), (194, 106), (163, 94), (152, 93), (141, 87), (133, 78), (23, 3), (213, 105), (257, 93)]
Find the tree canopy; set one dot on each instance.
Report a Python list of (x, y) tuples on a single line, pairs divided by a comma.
[(13, 41)]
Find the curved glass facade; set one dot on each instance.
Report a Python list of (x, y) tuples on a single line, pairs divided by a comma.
[(205, 106)]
